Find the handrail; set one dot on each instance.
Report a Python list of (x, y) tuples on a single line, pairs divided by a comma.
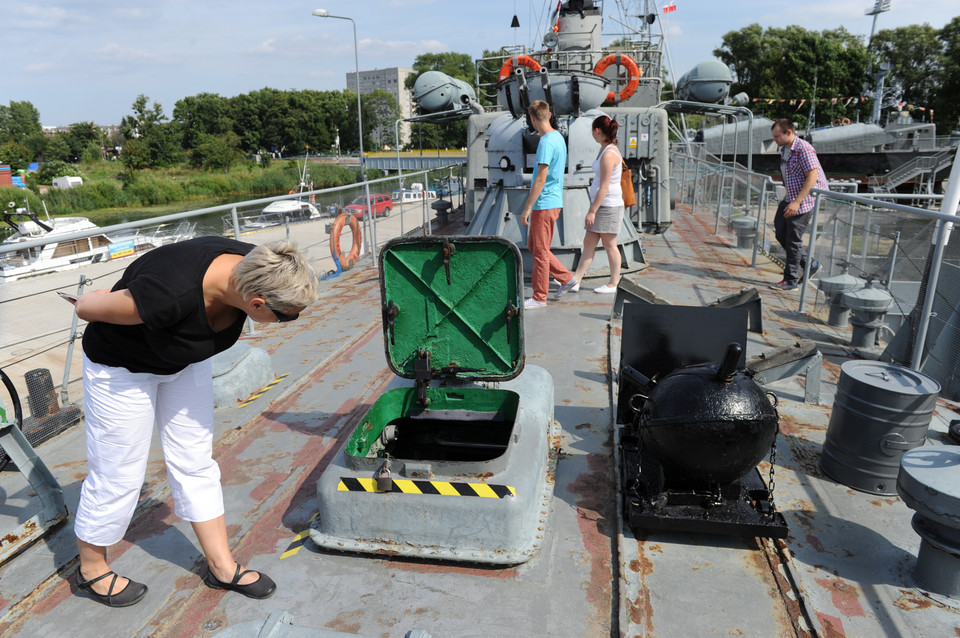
[(162, 219)]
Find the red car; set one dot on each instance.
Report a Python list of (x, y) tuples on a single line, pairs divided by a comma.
[(380, 204)]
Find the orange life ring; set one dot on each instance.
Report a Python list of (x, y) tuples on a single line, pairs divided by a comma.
[(633, 72), (338, 224), (836, 122), (846, 121), (524, 60)]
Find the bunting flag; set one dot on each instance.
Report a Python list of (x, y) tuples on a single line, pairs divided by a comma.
[(842, 100), (669, 8)]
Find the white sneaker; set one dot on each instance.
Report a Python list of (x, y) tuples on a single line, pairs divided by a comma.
[(533, 303), (573, 284), (605, 289), (576, 288)]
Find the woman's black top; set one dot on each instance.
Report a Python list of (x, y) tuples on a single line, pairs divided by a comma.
[(167, 286)]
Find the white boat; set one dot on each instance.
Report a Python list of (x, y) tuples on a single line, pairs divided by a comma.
[(415, 193), (57, 255), (276, 213)]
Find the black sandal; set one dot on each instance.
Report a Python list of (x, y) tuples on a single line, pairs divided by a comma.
[(129, 595), (261, 588)]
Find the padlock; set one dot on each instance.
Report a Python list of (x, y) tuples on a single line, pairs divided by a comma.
[(384, 479)]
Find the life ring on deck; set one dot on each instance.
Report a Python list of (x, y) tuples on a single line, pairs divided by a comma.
[(633, 73), (346, 263), (524, 60), (845, 121)]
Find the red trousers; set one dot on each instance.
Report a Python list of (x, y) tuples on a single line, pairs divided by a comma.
[(545, 264)]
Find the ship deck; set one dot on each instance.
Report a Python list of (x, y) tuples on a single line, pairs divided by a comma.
[(845, 568)]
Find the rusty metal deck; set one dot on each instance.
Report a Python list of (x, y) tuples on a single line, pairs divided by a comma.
[(844, 569)]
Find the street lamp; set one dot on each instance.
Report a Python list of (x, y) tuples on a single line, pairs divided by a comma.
[(323, 13)]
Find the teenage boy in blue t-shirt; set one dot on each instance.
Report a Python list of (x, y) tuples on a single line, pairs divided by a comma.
[(543, 205)]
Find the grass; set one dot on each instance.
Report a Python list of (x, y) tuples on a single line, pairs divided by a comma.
[(107, 190)]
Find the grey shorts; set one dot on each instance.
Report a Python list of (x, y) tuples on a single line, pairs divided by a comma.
[(608, 220)]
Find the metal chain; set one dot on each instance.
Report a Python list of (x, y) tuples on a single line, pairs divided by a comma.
[(771, 483)]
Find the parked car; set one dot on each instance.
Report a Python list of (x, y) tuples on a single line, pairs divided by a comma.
[(380, 204)]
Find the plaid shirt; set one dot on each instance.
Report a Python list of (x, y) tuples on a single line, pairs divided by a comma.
[(795, 162)]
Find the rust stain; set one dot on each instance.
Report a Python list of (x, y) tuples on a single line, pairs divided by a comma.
[(909, 601), (346, 621), (845, 597), (640, 610), (267, 487), (769, 559), (594, 490), (815, 543), (831, 625), (420, 567)]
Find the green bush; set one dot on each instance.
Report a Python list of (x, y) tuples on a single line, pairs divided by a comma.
[(150, 190), (50, 170)]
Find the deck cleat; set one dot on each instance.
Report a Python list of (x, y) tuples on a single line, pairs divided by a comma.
[(455, 463)]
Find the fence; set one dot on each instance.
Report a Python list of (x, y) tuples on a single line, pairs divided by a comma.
[(40, 333), (874, 237)]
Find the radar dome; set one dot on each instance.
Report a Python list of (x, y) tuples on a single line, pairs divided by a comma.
[(435, 91), (708, 81)]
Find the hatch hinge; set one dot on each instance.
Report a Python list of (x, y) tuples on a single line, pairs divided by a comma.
[(422, 375), (510, 311), (448, 250), (390, 312)]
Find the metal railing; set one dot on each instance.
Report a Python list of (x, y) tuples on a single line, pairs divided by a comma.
[(902, 247), (39, 331)]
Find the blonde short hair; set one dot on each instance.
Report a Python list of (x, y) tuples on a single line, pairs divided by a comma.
[(280, 273), (540, 110)]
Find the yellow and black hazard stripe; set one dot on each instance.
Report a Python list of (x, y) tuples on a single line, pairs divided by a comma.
[(439, 488), (298, 541), (259, 393)]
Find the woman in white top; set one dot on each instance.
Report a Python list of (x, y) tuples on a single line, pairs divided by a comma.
[(605, 215)]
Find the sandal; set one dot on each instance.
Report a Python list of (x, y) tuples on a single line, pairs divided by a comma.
[(261, 588), (129, 595)]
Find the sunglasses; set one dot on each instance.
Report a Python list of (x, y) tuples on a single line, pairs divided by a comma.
[(281, 318)]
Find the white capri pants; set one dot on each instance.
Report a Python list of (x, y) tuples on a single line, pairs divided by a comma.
[(121, 408)]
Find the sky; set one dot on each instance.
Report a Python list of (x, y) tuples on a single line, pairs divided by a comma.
[(88, 60)]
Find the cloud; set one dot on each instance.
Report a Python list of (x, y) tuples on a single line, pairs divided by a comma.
[(115, 52), (24, 16), (403, 48), (41, 67), (264, 47)]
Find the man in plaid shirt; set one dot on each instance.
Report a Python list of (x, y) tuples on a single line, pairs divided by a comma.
[(801, 172)]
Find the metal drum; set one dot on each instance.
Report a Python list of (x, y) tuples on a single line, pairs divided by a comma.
[(881, 410)]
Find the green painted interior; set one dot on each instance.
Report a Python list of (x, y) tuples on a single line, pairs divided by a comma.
[(401, 403)]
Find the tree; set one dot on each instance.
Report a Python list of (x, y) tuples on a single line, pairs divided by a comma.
[(796, 64), (57, 149), (15, 154), (135, 156), (143, 119), (947, 104), (202, 114), (82, 135), (914, 52), (380, 114), (19, 122), (159, 140), (217, 151)]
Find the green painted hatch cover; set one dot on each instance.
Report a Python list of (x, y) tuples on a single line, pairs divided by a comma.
[(457, 298)]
